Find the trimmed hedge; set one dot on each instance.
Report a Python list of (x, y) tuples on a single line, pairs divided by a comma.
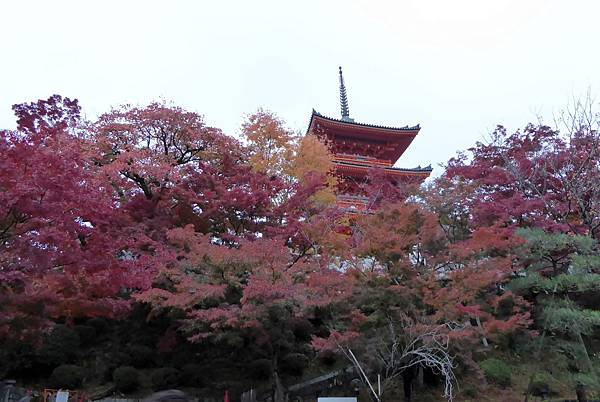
[(61, 346), (126, 379), (165, 378), (260, 369), (87, 333), (100, 324), (67, 376), (142, 356), (541, 384), (192, 375)]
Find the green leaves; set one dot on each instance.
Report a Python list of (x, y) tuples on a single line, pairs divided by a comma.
[(566, 317), (563, 283)]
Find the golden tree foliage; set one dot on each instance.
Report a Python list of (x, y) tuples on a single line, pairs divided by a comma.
[(277, 151), (313, 157), (271, 144)]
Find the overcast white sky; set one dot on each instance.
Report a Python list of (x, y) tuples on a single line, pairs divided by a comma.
[(457, 67)]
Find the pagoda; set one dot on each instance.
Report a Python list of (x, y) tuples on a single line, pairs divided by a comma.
[(359, 147)]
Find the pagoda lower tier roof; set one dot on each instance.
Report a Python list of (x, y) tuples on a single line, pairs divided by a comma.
[(362, 169)]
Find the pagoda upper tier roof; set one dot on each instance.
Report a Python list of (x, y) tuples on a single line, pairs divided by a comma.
[(353, 123), (383, 142)]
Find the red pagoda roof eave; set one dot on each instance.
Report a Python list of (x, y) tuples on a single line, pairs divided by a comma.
[(390, 171), (413, 131)]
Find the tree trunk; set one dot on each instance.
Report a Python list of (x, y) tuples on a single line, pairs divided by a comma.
[(407, 379), (588, 361), (278, 391), (483, 338), (581, 394)]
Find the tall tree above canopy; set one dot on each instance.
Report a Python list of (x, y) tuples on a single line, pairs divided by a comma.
[(52, 115), (170, 170), (271, 145), (300, 161), (150, 148)]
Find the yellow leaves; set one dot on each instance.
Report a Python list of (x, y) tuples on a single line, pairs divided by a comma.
[(276, 151), (314, 158), (271, 144)]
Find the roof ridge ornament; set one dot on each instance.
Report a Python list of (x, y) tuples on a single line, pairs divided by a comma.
[(344, 99)]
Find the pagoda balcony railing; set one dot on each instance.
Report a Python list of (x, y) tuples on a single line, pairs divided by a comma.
[(349, 197), (352, 203), (362, 160)]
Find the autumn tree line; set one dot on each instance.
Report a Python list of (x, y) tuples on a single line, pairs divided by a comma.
[(148, 240)]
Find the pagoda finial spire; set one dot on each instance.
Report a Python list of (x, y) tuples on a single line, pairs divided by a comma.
[(344, 99)]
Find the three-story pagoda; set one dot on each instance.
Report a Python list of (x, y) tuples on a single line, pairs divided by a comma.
[(359, 147)]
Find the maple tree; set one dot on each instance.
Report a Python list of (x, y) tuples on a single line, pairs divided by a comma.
[(238, 243), (252, 290), (407, 269), (277, 151), (539, 186), (539, 176), (59, 233), (270, 143)]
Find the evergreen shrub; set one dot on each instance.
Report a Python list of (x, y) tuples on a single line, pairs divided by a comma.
[(496, 371), (165, 378), (261, 369), (67, 376), (142, 356), (87, 333), (100, 324), (61, 346), (192, 375), (294, 364), (541, 384), (126, 379)]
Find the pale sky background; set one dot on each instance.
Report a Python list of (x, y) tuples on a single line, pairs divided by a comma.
[(457, 67)]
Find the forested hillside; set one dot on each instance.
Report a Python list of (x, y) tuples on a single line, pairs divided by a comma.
[(148, 250)]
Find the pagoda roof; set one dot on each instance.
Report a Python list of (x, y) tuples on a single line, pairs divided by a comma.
[(426, 171), (394, 140), (419, 169), (350, 123)]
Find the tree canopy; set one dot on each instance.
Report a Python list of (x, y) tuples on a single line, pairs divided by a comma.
[(238, 243)]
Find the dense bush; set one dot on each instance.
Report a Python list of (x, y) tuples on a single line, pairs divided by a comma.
[(16, 357), (100, 324), (178, 358), (470, 391), (67, 376), (327, 358), (303, 329), (60, 346), (590, 382), (165, 378), (87, 333), (260, 369), (142, 356), (294, 364), (541, 384), (192, 375), (496, 371), (126, 379)]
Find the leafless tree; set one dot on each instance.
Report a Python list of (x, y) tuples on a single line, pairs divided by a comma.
[(401, 346)]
